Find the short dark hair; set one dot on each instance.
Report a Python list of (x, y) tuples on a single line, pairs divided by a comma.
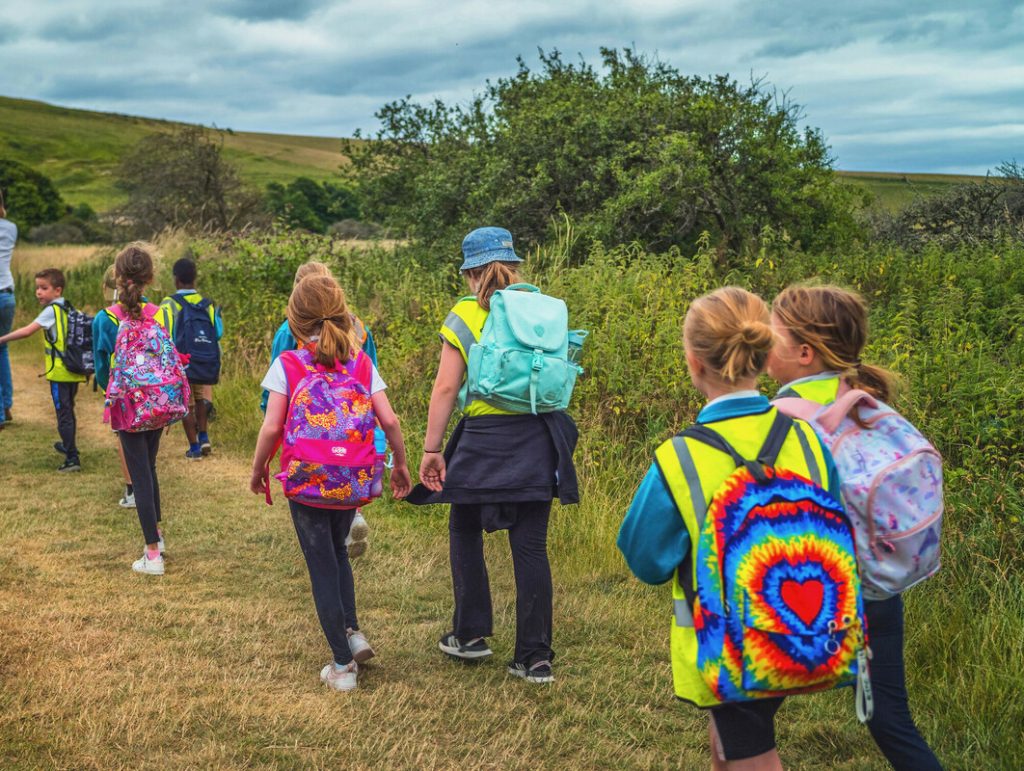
[(52, 276), (185, 271)]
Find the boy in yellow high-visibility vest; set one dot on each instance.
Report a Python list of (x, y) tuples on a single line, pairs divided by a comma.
[(53, 320)]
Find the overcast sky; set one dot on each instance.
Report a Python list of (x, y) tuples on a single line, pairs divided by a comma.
[(911, 86)]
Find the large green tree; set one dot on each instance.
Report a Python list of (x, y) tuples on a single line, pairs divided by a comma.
[(31, 198), (630, 151)]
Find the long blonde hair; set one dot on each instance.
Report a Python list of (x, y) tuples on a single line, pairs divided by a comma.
[(490, 278), (730, 331), (834, 322), (133, 269), (317, 307)]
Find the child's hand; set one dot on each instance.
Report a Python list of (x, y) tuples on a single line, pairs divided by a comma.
[(401, 482), (432, 471), (260, 480)]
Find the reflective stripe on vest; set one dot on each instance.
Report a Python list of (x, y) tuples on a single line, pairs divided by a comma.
[(809, 458), (461, 329)]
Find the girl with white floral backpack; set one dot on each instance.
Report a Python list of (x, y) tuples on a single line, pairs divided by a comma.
[(891, 482)]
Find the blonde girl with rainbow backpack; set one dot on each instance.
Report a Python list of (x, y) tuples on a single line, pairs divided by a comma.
[(891, 481), (740, 512), (326, 400)]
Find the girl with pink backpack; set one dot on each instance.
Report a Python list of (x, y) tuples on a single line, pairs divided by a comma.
[(146, 388), (326, 399), (890, 477)]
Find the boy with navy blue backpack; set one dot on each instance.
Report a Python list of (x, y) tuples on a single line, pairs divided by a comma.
[(193, 322)]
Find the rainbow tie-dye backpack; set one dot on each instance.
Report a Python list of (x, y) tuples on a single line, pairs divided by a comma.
[(777, 605), (328, 457)]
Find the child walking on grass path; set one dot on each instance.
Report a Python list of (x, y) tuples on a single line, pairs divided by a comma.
[(820, 334), (326, 398), (146, 388), (727, 338), (357, 540), (53, 320)]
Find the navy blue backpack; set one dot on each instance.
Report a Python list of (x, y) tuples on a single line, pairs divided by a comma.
[(196, 336)]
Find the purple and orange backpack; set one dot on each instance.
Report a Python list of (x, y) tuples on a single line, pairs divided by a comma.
[(328, 456), (148, 388)]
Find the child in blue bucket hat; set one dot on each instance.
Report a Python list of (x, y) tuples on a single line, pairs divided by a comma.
[(499, 471)]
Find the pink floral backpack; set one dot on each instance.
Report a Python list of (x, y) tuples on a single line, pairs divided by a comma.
[(328, 456), (891, 481), (148, 388)]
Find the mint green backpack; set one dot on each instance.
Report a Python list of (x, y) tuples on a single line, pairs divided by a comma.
[(522, 362)]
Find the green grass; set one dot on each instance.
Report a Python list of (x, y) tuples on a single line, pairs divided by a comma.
[(80, 150), (893, 191)]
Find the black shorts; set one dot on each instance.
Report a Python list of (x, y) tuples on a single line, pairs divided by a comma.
[(746, 729)]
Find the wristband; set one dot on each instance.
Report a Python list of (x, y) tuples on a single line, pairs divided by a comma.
[(432, 452)]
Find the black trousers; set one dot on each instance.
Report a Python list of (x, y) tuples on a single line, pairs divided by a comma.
[(140, 449), (322, 534), (892, 726), (527, 536), (63, 395)]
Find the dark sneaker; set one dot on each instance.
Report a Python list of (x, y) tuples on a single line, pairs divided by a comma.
[(70, 465), (474, 649), (539, 672), (60, 448), (7, 416), (206, 448), (193, 454)]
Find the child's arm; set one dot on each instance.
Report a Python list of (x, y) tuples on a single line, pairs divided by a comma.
[(266, 444), (401, 483), (442, 402), (653, 537), (18, 334)]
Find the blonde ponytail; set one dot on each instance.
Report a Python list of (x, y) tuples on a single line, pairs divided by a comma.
[(317, 308), (730, 331)]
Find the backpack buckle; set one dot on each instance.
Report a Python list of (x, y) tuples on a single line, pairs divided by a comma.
[(538, 360)]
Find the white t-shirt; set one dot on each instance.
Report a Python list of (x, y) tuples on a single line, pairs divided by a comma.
[(8, 238), (47, 319), (276, 381)]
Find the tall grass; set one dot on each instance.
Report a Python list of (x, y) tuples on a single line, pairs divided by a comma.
[(951, 324)]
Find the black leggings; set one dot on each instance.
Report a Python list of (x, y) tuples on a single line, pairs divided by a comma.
[(140, 449), (322, 534), (527, 537)]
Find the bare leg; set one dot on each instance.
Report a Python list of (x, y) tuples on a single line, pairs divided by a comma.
[(124, 466)]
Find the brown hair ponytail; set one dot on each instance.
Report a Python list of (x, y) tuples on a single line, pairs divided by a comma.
[(490, 278), (133, 270), (834, 322), (730, 331), (317, 307)]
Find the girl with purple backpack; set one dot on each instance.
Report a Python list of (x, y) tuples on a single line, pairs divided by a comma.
[(326, 399), (820, 334)]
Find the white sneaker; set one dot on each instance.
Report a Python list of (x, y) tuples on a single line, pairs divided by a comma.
[(127, 501), (361, 650), (356, 540), (160, 543), (344, 680), (151, 567)]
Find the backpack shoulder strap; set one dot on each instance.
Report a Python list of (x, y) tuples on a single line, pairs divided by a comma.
[(766, 456), (362, 370), (294, 368), (833, 415), (797, 407)]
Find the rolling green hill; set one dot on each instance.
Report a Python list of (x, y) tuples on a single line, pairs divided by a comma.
[(79, 150)]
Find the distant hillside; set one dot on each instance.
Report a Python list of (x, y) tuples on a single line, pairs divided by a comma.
[(79, 149)]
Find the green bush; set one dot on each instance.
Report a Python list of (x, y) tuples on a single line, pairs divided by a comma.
[(30, 197)]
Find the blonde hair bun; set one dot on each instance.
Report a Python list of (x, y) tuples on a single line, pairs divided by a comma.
[(730, 331)]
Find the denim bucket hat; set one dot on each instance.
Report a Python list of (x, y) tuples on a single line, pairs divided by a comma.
[(485, 245)]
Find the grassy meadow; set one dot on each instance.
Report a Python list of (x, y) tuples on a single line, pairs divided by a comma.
[(79, 150), (216, 663)]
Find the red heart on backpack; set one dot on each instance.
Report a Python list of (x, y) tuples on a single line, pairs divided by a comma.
[(804, 599)]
